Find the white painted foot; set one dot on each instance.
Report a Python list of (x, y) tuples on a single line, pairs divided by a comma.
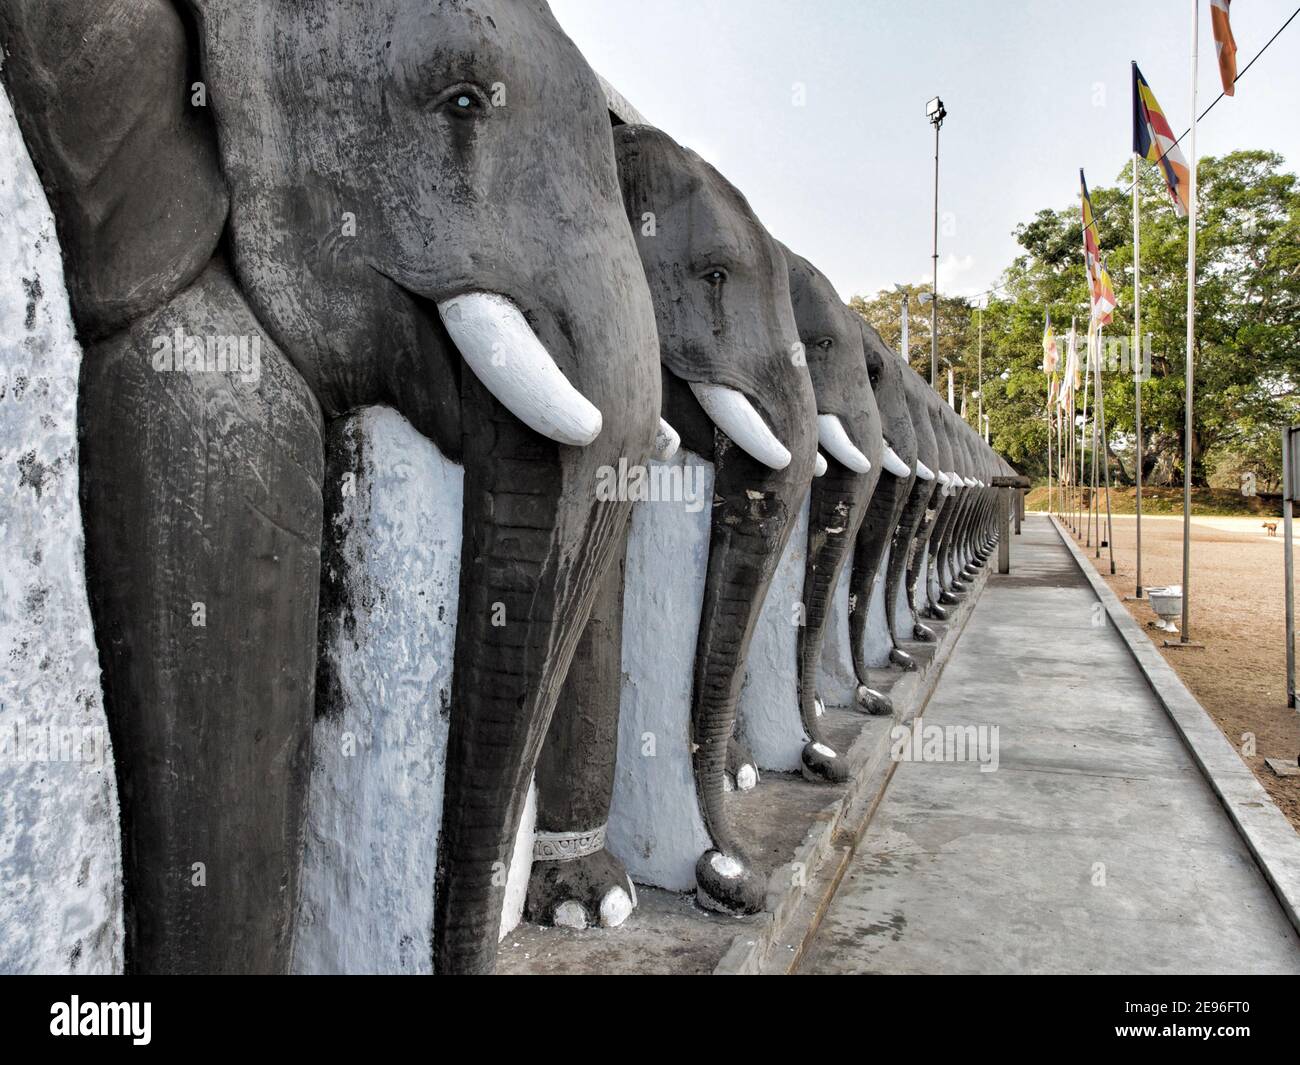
[(571, 914), (615, 908)]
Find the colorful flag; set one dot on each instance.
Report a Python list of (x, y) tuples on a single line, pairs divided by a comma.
[(1224, 44), (1071, 383), (1050, 355), (1101, 290), (1154, 141)]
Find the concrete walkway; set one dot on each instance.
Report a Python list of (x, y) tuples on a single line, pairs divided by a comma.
[(1095, 846)]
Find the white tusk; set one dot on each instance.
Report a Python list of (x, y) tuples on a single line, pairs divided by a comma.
[(667, 441), (835, 439), (497, 343), (735, 415), (944, 479), (893, 464), (970, 482), (923, 471), (820, 469)]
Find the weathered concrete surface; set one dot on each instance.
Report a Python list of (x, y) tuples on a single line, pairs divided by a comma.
[(1096, 846), (837, 681), (60, 849), (379, 745), (655, 827), (769, 718)]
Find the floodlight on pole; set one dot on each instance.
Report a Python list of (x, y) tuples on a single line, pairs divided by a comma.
[(936, 113)]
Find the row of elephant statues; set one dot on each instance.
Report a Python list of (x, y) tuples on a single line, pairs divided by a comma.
[(483, 315)]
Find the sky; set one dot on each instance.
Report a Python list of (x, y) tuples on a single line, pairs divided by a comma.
[(815, 110)]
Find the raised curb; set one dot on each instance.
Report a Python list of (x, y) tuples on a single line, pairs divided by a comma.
[(1272, 841), (799, 891)]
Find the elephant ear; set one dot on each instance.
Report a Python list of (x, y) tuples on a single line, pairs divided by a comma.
[(115, 117)]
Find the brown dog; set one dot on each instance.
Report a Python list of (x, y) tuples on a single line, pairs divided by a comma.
[(1271, 526)]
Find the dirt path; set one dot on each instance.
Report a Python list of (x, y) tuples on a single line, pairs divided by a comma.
[(1238, 613)]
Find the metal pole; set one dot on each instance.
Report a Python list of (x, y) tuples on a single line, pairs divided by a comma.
[(980, 394), (1191, 344), (1137, 370), (1288, 567), (1105, 464), (905, 343), (1094, 509), (1050, 497), (1085, 517), (934, 292)]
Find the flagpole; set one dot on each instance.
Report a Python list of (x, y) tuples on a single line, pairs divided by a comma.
[(1094, 511), (1105, 466), (1137, 368), (1083, 447), (1051, 498), (1191, 341)]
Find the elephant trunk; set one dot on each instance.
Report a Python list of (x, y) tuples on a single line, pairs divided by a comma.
[(523, 604), (835, 511), (752, 521), (904, 540), (878, 523)]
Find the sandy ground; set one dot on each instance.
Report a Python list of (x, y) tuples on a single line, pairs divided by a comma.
[(1238, 612)]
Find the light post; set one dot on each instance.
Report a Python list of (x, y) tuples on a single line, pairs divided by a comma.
[(980, 368), (934, 110), (903, 343), (924, 298)]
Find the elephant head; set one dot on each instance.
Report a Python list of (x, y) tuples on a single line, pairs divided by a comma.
[(850, 433), (737, 390), (424, 212)]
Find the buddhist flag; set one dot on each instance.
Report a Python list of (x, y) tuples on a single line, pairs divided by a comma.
[(1224, 44), (1101, 290), (1154, 141), (1071, 383), (1050, 354)]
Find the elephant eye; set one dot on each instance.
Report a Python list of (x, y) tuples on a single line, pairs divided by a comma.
[(825, 344), (715, 276), (464, 101)]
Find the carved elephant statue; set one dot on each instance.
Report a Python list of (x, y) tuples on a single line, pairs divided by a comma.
[(900, 623), (736, 388), (872, 546), (850, 431), (274, 214)]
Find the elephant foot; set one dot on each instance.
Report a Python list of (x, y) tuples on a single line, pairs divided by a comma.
[(935, 612), (726, 884), (742, 772), (902, 660), (923, 633), (872, 702), (950, 598), (959, 585), (822, 765), (587, 892)]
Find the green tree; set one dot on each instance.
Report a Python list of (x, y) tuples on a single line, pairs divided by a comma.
[(1247, 355)]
